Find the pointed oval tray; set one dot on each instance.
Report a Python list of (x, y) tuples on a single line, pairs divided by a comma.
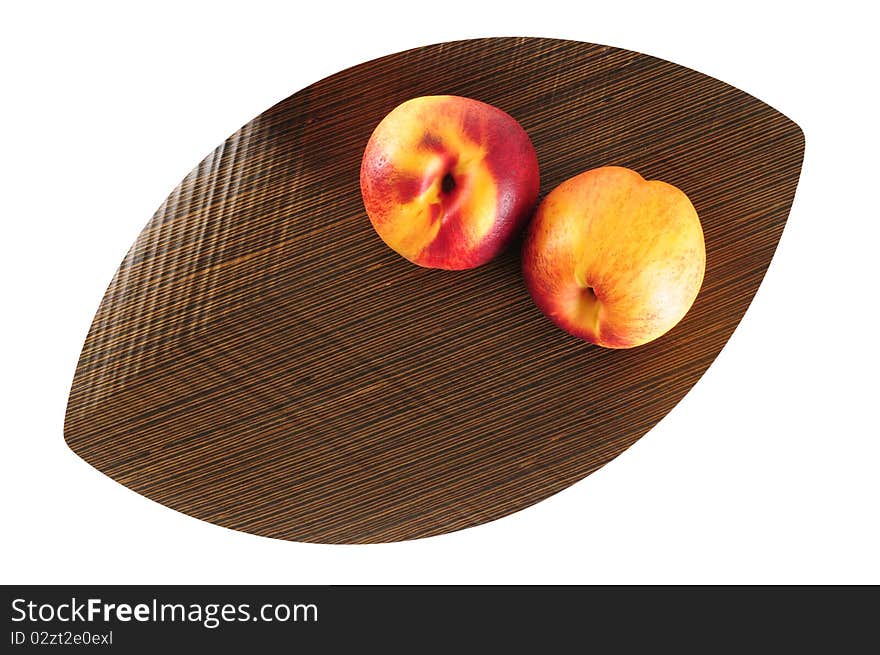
[(261, 360)]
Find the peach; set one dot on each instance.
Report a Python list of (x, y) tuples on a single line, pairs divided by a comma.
[(447, 181), (614, 259)]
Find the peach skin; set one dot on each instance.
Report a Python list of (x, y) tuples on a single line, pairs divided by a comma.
[(614, 259), (447, 181)]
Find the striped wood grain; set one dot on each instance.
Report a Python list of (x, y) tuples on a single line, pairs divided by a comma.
[(262, 361)]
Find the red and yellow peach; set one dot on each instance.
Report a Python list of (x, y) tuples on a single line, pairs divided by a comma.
[(613, 258), (448, 181)]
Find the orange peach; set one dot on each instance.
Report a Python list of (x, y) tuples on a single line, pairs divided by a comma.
[(447, 181), (613, 258)]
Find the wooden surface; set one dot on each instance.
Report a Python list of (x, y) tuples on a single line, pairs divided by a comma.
[(261, 360)]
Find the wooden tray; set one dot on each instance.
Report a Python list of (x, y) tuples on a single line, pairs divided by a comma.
[(261, 360)]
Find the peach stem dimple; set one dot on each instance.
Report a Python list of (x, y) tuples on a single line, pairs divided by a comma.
[(588, 308), (447, 184)]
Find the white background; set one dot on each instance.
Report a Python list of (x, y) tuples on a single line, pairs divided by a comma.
[(767, 472)]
